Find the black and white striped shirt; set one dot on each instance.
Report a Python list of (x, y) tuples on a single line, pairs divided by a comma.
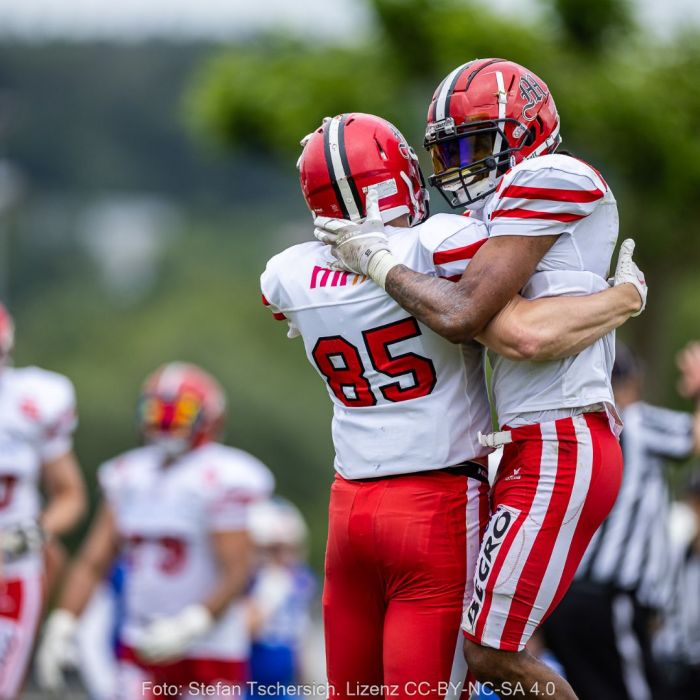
[(679, 638), (630, 551)]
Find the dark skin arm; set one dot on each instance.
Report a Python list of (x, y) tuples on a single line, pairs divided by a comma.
[(460, 311)]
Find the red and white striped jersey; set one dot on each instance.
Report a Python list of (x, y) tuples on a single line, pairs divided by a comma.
[(165, 516), (37, 420), (563, 196), (404, 399)]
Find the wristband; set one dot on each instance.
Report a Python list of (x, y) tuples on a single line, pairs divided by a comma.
[(379, 265)]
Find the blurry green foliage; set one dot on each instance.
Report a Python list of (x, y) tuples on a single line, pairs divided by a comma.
[(629, 104)]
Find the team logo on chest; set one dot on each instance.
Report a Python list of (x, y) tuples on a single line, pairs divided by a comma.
[(325, 277), (531, 91)]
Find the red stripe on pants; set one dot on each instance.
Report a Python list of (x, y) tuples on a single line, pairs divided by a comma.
[(563, 486), (541, 552)]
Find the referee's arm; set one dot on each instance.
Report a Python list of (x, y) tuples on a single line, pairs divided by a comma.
[(689, 386)]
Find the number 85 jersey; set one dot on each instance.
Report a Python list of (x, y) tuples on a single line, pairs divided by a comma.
[(404, 398)]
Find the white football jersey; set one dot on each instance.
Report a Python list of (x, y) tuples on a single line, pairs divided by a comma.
[(165, 517), (404, 399), (37, 420), (557, 195)]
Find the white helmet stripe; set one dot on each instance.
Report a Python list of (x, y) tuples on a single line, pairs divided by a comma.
[(339, 171), (445, 90), (502, 103)]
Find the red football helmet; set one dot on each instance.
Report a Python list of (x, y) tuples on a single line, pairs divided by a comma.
[(7, 334), (351, 153), (181, 407), (485, 117)]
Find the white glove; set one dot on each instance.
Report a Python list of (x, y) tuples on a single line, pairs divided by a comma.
[(362, 248), (169, 637), (57, 651), (627, 272)]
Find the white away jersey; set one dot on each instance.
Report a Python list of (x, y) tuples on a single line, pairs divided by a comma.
[(557, 195), (37, 420), (165, 517), (404, 399)]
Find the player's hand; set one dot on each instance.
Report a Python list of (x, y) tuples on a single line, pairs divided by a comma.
[(627, 272), (356, 244), (57, 651), (169, 637), (688, 361)]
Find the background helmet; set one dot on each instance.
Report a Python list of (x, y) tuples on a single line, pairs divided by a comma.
[(485, 117), (277, 522), (350, 153), (181, 407), (7, 334)]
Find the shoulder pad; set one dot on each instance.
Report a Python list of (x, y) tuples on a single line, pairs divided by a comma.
[(440, 227)]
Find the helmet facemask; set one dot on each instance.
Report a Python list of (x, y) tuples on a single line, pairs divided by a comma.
[(171, 425), (469, 161)]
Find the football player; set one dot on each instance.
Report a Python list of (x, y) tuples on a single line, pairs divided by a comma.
[(409, 500), (280, 599), (177, 508), (493, 132), (37, 419)]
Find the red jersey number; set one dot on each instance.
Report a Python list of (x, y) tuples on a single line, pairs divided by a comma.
[(7, 489), (340, 363)]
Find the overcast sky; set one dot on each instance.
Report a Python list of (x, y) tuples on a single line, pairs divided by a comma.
[(222, 19)]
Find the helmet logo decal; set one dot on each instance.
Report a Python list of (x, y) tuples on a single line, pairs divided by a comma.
[(384, 189), (532, 92)]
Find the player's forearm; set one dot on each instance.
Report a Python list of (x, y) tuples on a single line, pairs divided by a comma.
[(575, 323), (231, 585), (63, 512), (234, 554), (557, 327), (441, 305), (65, 489), (81, 581)]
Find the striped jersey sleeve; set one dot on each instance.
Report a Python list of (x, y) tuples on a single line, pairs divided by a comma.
[(666, 433), (545, 197), (451, 242)]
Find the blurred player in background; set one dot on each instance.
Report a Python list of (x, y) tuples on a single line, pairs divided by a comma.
[(177, 508), (409, 500), (678, 643), (624, 583), (492, 132), (37, 419), (280, 601)]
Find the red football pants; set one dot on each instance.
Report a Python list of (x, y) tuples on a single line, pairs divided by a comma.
[(184, 678), (396, 581), (556, 483)]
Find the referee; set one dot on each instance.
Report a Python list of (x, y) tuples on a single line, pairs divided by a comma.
[(678, 643), (601, 632)]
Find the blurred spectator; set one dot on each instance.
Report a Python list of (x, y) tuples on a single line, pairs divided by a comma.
[(281, 597), (602, 630)]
